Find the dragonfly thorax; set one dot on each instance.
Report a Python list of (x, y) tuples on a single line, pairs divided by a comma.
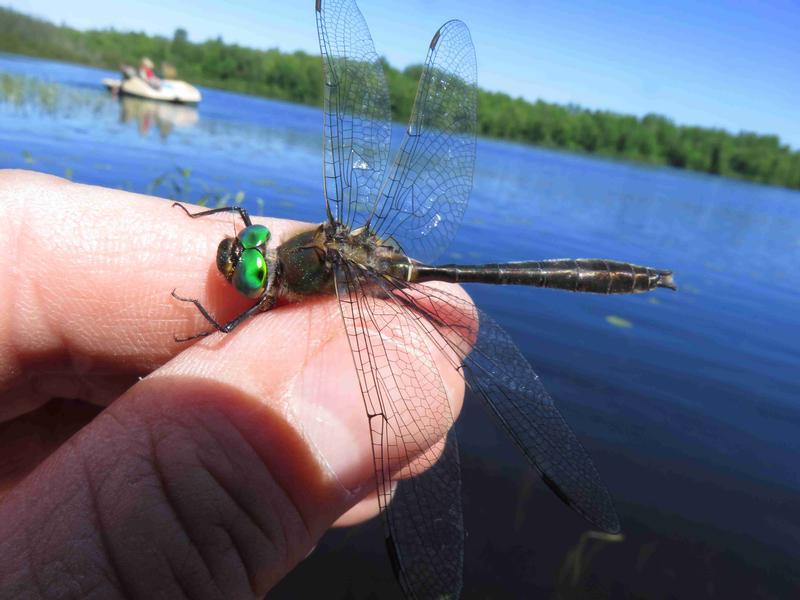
[(305, 268)]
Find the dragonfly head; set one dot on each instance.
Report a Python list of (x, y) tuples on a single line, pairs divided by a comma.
[(242, 260)]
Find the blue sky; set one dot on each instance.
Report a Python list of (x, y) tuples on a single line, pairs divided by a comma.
[(734, 65)]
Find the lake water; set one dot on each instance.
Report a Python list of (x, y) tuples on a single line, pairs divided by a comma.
[(689, 402)]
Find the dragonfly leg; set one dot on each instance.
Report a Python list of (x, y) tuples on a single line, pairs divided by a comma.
[(212, 211), (266, 302)]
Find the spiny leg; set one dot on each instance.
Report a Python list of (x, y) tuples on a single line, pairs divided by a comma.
[(212, 211), (265, 303)]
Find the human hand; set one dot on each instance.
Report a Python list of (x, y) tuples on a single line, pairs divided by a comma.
[(213, 475)]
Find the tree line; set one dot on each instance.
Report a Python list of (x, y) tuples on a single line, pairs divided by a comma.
[(297, 77)]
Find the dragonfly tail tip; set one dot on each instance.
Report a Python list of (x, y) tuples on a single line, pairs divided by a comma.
[(665, 280)]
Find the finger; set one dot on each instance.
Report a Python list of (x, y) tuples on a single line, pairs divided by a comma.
[(98, 346), (85, 305), (220, 470), (27, 440)]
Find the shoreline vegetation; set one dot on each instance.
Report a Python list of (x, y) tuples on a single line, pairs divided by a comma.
[(296, 77)]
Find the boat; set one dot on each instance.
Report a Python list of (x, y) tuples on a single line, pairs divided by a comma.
[(169, 90)]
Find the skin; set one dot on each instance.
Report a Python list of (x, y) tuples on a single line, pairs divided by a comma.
[(133, 466)]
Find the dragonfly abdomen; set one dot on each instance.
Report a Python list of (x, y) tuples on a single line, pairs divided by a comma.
[(594, 275)]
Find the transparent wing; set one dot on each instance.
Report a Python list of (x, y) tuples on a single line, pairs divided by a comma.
[(426, 531), (426, 192), (356, 112), (409, 420), (496, 368)]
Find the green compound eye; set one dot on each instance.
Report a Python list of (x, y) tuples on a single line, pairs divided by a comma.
[(253, 236), (250, 275)]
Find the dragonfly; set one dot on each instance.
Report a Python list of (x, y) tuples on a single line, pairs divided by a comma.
[(385, 224)]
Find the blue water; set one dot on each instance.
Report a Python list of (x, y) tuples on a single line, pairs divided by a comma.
[(692, 412)]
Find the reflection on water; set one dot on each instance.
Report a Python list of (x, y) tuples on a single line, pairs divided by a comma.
[(161, 116), (688, 401)]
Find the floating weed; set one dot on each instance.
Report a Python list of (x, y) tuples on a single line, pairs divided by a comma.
[(645, 552), (28, 157), (653, 300), (26, 94), (69, 173), (526, 490), (264, 182), (581, 555), (260, 204), (688, 287), (155, 184), (177, 181), (618, 322), (177, 184), (293, 190)]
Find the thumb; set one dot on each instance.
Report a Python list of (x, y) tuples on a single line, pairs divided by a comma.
[(217, 473)]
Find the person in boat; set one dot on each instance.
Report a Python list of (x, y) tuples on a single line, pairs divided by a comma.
[(147, 73)]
